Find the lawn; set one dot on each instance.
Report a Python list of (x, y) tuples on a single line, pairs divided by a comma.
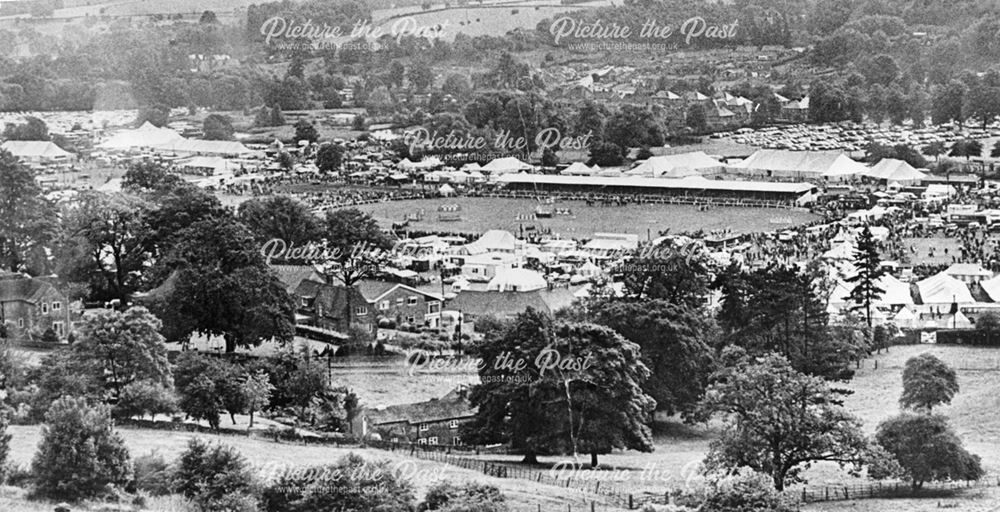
[(645, 220)]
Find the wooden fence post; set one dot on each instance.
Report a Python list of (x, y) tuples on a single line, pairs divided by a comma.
[(631, 504)]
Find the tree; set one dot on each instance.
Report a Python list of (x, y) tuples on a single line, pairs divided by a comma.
[(211, 475), (947, 102), (421, 76), (561, 387), (144, 398), (935, 149), (995, 151), (5, 438), (330, 157), (927, 382), (359, 245), (224, 287), (218, 127), (675, 344), (778, 421), (126, 347), (967, 148), (695, 118), (866, 292), (926, 449), (27, 219), (305, 130), (33, 129), (80, 453), (344, 485), (743, 490), (208, 17), (672, 271), (472, 497), (257, 389), (280, 218), (988, 323), (606, 154), (114, 229), (148, 176), (156, 115), (202, 400)]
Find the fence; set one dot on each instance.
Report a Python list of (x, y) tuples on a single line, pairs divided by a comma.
[(888, 490)]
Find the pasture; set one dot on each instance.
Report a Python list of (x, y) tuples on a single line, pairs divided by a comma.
[(646, 220)]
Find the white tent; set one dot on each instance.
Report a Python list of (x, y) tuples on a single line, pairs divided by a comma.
[(938, 191), (844, 251), (577, 169), (897, 171), (209, 165), (506, 165), (678, 166), (184, 146), (905, 318), (145, 136), (896, 292), (943, 289), (992, 288), (37, 151), (446, 190), (831, 165)]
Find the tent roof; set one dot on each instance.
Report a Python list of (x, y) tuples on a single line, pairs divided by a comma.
[(820, 163), (505, 165), (992, 288), (35, 149), (635, 181), (212, 147), (896, 292), (145, 136), (492, 240), (676, 166), (891, 169), (943, 289)]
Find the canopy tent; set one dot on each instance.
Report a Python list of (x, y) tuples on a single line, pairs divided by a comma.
[(506, 165), (992, 288), (895, 292), (446, 190), (37, 151), (844, 251), (830, 165), (578, 169), (896, 171), (943, 289), (471, 166), (208, 165), (904, 318), (678, 166), (145, 136), (494, 240), (204, 147)]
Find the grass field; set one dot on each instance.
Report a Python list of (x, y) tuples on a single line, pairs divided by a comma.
[(481, 214)]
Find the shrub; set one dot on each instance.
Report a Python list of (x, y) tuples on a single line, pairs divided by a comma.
[(472, 497), (350, 484), (80, 454), (145, 398), (4, 442), (50, 336), (154, 475), (744, 491), (215, 477)]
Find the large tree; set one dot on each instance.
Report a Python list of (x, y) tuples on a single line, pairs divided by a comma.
[(357, 243), (282, 218), (927, 382), (866, 292), (218, 127), (27, 219), (926, 449), (125, 347), (673, 271), (676, 346), (114, 231), (563, 388), (779, 421)]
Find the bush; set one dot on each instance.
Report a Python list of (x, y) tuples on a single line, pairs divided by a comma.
[(350, 484), (215, 477), (80, 454), (744, 491), (472, 497), (145, 399), (153, 475), (4, 442)]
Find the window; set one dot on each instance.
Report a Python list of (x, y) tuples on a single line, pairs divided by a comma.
[(457, 440), (399, 301), (45, 308), (56, 306), (394, 440), (384, 305), (412, 301), (20, 323), (361, 310), (424, 427), (58, 327), (433, 307), (453, 424), (433, 440), (422, 440)]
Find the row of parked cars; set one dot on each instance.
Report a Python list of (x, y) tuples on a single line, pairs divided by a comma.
[(849, 136)]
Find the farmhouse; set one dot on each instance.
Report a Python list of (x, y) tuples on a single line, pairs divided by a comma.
[(434, 422), (29, 306)]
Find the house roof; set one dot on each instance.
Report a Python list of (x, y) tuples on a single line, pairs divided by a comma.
[(20, 288), (293, 275), (505, 304), (374, 290), (450, 406)]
